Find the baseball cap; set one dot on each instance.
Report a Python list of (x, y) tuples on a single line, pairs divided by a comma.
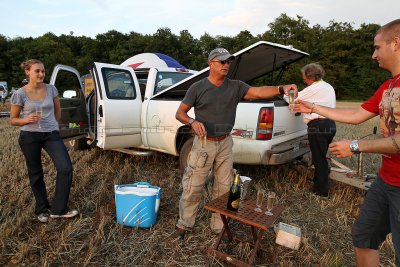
[(220, 54)]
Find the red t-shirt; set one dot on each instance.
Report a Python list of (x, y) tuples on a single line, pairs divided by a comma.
[(386, 103)]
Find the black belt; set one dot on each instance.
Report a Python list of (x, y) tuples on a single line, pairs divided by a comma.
[(315, 120)]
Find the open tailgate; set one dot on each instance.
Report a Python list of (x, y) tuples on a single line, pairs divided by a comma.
[(250, 63)]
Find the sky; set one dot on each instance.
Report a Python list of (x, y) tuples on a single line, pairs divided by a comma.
[(33, 18)]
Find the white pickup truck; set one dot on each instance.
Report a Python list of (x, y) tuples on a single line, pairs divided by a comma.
[(118, 115)]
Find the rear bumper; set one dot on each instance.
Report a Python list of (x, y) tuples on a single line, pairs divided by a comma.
[(286, 152), (256, 152)]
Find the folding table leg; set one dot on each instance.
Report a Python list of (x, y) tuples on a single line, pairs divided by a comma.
[(221, 234), (226, 220), (254, 233), (256, 246)]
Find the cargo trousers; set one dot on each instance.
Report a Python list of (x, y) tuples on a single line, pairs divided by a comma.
[(216, 155)]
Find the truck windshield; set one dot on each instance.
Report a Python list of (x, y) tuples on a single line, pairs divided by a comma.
[(167, 79)]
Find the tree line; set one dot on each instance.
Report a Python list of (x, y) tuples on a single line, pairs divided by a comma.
[(344, 51)]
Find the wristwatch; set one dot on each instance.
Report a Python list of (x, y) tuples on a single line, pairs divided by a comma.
[(354, 147), (281, 89), (191, 121)]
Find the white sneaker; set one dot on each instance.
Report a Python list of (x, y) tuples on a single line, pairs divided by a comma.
[(68, 214), (43, 217)]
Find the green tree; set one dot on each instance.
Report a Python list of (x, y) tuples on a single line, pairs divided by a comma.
[(4, 70), (105, 47), (164, 41), (343, 51), (190, 55), (366, 76)]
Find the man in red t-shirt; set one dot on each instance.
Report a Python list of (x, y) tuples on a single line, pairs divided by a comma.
[(380, 212)]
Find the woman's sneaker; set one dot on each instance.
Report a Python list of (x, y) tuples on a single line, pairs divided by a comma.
[(68, 214), (43, 217)]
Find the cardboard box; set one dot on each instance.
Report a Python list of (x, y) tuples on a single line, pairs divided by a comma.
[(288, 236)]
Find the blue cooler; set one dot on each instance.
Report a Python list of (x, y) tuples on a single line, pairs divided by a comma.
[(137, 204)]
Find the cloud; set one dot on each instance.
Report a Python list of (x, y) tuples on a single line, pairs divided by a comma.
[(216, 17)]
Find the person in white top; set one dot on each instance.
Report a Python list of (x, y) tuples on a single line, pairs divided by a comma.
[(320, 129)]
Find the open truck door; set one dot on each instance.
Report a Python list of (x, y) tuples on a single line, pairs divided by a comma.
[(74, 120), (118, 107)]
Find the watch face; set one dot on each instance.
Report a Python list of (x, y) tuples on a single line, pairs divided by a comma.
[(354, 146)]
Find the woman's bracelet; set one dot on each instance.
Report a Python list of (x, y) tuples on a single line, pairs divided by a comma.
[(312, 108)]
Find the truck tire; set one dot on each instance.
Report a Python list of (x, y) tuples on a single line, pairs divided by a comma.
[(183, 155), (77, 144)]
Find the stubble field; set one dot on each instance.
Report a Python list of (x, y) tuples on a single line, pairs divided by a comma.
[(94, 238)]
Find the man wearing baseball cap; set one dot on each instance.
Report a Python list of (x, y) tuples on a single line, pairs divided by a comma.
[(214, 100), (220, 54)]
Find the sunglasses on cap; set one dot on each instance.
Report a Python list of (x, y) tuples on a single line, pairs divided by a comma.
[(223, 62)]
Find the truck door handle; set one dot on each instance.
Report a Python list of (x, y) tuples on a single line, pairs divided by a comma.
[(101, 111)]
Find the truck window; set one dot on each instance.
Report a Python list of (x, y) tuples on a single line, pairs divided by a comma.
[(68, 85), (118, 84), (167, 79)]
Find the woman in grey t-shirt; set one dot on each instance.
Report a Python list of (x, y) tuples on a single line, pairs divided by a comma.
[(36, 108)]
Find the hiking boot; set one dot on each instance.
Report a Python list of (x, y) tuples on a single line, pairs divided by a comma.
[(68, 214), (179, 233), (43, 217)]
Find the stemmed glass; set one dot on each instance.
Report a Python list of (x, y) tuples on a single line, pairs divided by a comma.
[(39, 113), (270, 203), (291, 99), (259, 200)]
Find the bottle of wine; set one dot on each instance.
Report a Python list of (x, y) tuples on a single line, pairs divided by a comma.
[(234, 194)]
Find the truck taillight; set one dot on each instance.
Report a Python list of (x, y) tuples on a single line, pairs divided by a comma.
[(265, 125)]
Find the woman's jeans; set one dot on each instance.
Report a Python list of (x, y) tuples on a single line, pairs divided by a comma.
[(31, 144)]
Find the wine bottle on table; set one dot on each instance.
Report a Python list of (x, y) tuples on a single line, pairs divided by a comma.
[(234, 194)]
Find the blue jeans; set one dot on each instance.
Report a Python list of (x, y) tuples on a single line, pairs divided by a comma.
[(31, 144)]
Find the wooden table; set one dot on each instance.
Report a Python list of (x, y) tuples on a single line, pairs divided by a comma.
[(258, 221)]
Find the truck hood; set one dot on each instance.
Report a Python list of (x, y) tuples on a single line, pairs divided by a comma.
[(250, 63)]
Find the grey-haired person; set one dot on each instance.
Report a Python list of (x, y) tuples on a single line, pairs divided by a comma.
[(214, 99), (321, 130)]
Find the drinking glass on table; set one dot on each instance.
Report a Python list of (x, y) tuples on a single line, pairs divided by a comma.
[(39, 113), (270, 203), (259, 200)]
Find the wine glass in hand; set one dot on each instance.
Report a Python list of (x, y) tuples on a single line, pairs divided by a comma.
[(259, 200), (39, 113), (291, 100), (270, 203)]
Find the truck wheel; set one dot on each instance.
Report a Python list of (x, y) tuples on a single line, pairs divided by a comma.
[(307, 159), (183, 155), (77, 144)]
